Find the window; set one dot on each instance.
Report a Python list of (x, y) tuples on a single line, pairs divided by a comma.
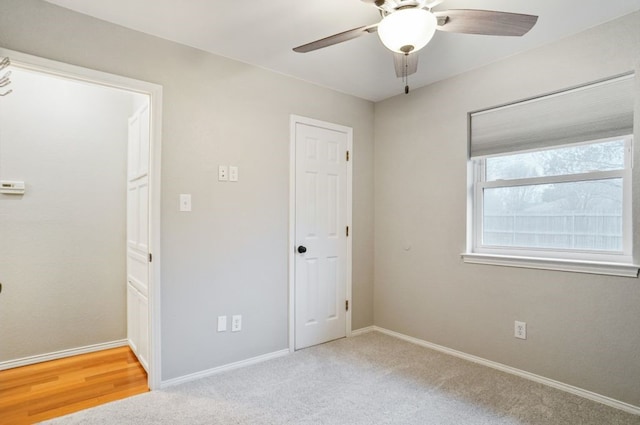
[(546, 190), (563, 202)]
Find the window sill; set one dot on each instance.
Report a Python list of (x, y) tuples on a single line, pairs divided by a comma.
[(577, 266)]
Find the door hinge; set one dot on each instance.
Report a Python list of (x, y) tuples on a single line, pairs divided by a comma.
[(346, 305), (150, 257), (347, 155), (347, 231)]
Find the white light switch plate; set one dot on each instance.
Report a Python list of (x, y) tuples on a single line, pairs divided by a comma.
[(222, 323), (233, 173), (185, 202)]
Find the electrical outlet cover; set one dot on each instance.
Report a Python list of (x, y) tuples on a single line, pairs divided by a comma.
[(236, 323), (520, 330), (223, 173)]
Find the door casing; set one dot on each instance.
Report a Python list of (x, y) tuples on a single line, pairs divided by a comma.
[(296, 119)]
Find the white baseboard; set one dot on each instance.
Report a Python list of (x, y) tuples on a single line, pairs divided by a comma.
[(363, 331), (25, 361), (518, 372), (224, 368)]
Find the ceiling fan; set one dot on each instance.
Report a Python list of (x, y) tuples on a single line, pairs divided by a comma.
[(408, 25)]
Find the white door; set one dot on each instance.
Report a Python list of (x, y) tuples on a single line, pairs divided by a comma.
[(320, 234), (138, 235)]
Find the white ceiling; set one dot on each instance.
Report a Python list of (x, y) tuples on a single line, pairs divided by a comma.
[(263, 32)]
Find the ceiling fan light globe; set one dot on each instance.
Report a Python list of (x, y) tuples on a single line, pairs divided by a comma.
[(407, 30)]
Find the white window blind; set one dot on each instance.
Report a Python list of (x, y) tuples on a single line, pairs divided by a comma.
[(595, 111)]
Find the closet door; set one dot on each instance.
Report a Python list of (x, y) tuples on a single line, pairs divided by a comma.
[(138, 257)]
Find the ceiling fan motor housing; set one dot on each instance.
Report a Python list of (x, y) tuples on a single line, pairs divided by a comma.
[(407, 49)]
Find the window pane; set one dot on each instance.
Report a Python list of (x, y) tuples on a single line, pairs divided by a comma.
[(604, 156), (575, 215)]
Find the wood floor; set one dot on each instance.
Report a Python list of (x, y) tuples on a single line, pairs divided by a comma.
[(46, 390)]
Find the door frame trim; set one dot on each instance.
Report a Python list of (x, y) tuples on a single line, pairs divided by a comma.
[(154, 91), (297, 119)]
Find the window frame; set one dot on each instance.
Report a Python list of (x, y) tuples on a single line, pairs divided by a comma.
[(589, 261)]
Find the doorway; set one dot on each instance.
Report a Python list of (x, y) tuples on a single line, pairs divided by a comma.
[(320, 232), (72, 213)]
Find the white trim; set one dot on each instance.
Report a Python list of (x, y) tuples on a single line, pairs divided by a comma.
[(565, 265), (349, 259), (155, 212), (295, 119), (518, 372), (292, 232), (363, 331), (25, 361), (154, 91), (224, 368), (566, 178)]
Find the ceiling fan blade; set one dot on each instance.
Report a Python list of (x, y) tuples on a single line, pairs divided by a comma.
[(485, 22), (336, 38), (405, 64)]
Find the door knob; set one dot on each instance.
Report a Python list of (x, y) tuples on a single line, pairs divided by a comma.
[(302, 249)]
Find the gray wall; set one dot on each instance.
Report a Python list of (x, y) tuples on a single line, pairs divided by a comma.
[(62, 244), (228, 256), (582, 329)]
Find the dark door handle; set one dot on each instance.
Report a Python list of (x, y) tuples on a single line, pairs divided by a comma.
[(302, 249)]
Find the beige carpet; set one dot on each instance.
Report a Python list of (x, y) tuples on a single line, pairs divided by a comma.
[(369, 379)]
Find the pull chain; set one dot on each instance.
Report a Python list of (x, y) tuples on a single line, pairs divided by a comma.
[(405, 73)]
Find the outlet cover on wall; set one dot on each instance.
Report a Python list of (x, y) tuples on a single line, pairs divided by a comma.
[(236, 323), (223, 173), (520, 330)]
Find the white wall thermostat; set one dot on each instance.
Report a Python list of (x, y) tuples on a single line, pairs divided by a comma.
[(11, 188)]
